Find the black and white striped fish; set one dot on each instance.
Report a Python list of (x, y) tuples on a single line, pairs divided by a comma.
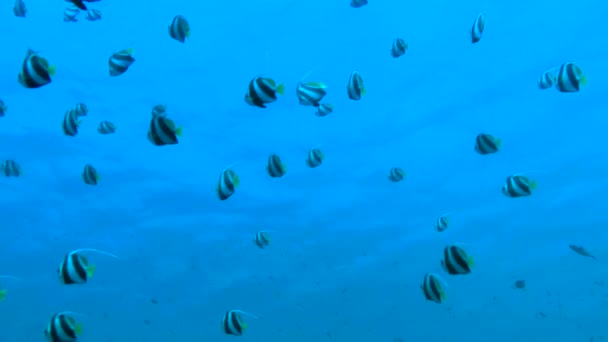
[(432, 288), (276, 168), (79, 4), (310, 93), (35, 71), (396, 174), (10, 168), (81, 109), (358, 3), (547, 80), (487, 144), (262, 239), (570, 78), (63, 328), (106, 127), (262, 91), (456, 261), (159, 110), (518, 186), (442, 223), (19, 9), (233, 324), (399, 48), (478, 27), (355, 86), (324, 109), (75, 268), (227, 184), (3, 108), (179, 28), (70, 14), (90, 175), (163, 131), (93, 15), (70, 123), (120, 62), (315, 158)]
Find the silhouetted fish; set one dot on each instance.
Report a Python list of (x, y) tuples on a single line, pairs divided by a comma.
[(582, 251)]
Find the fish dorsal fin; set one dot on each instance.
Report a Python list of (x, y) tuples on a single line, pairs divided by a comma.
[(245, 313), (96, 251)]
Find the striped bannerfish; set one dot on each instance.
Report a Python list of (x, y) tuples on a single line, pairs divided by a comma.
[(70, 14), (3, 108), (478, 27), (310, 93), (227, 184), (324, 109), (396, 174), (93, 15), (232, 323), (399, 48), (81, 109), (570, 78), (547, 80), (487, 144), (75, 268), (262, 239), (315, 158), (432, 288), (355, 86), (79, 4), (456, 261), (11, 168), (19, 9), (276, 168), (518, 186), (90, 175), (70, 123), (179, 28), (358, 3), (35, 71), (120, 62), (442, 223), (63, 328), (106, 127), (163, 131), (262, 91), (159, 110)]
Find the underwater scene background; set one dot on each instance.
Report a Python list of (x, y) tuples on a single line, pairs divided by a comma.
[(350, 248)]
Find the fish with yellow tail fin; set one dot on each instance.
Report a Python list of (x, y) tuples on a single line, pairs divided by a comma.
[(90, 175), (262, 91), (570, 78), (518, 186), (456, 261), (4, 292), (355, 87), (120, 62), (63, 328), (432, 288), (399, 48), (315, 158), (227, 184), (233, 324), (179, 28), (275, 167), (310, 93), (487, 144), (262, 239), (35, 71), (163, 131), (70, 123), (75, 268)]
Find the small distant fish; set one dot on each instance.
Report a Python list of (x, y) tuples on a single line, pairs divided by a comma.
[(90, 175), (71, 123), (520, 284), (324, 109), (163, 131), (106, 127), (518, 186), (35, 71), (478, 27), (159, 110), (179, 28), (75, 268), (11, 168), (570, 78), (262, 239), (442, 223), (276, 168), (396, 174), (310, 93), (547, 80), (580, 250), (19, 9), (456, 261), (262, 91), (355, 86), (70, 14), (232, 323), (81, 109), (487, 144), (432, 288), (63, 328), (227, 184), (399, 48), (358, 3), (315, 158), (93, 15), (120, 62), (3, 108)]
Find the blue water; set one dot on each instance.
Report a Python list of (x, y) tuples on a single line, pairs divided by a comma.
[(349, 247)]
